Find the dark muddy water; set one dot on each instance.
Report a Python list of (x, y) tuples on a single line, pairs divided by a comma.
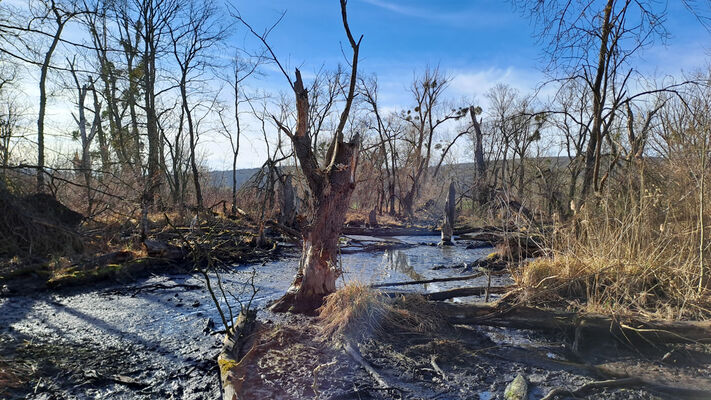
[(155, 338)]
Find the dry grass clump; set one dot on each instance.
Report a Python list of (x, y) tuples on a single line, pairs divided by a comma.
[(357, 311), (619, 260)]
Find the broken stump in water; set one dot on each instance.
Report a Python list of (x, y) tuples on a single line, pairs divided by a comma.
[(448, 226)]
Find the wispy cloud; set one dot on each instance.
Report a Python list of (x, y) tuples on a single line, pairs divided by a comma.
[(468, 15), (478, 82)]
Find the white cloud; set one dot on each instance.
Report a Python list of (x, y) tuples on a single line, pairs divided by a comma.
[(476, 83)]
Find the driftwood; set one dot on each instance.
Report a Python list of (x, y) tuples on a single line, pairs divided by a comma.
[(357, 357), (678, 392), (613, 383), (625, 329)]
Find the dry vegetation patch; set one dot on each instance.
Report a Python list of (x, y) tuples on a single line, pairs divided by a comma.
[(357, 311), (614, 262)]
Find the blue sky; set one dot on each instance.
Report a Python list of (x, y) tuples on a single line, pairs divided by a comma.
[(400, 37), (463, 37), (478, 43)]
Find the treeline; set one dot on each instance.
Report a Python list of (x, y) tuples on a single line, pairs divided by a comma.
[(145, 85)]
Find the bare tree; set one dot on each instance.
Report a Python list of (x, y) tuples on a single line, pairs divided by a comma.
[(86, 137), (330, 186), (388, 132), (594, 43), (197, 32), (154, 19), (57, 15), (424, 120), (241, 70)]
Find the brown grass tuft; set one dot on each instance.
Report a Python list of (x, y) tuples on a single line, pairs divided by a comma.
[(357, 311)]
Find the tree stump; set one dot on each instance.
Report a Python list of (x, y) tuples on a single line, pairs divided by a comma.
[(372, 219), (449, 216)]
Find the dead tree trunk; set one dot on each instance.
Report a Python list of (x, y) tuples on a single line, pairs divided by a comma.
[(449, 216), (481, 195), (287, 214), (331, 187)]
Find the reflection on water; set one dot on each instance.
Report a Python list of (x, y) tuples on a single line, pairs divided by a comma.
[(397, 260)]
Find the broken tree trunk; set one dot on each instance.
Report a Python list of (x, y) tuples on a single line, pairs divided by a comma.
[(331, 186), (318, 267), (233, 352), (448, 226)]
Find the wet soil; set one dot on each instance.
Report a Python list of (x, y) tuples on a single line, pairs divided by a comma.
[(293, 360)]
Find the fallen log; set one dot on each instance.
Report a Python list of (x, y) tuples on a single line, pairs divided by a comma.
[(466, 292), (159, 249), (390, 231), (450, 279), (233, 352), (613, 383), (293, 233), (352, 351), (624, 329), (453, 293)]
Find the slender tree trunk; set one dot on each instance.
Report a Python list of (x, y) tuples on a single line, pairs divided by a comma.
[(233, 210), (235, 145), (103, 144), (154, 170), (191, 137), (287, 213), (43, 102), (592, 152), (702, 227)]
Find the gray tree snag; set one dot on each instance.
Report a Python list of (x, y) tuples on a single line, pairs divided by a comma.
[(480, 178), (287, 212), (331, 187), (449, 217)]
